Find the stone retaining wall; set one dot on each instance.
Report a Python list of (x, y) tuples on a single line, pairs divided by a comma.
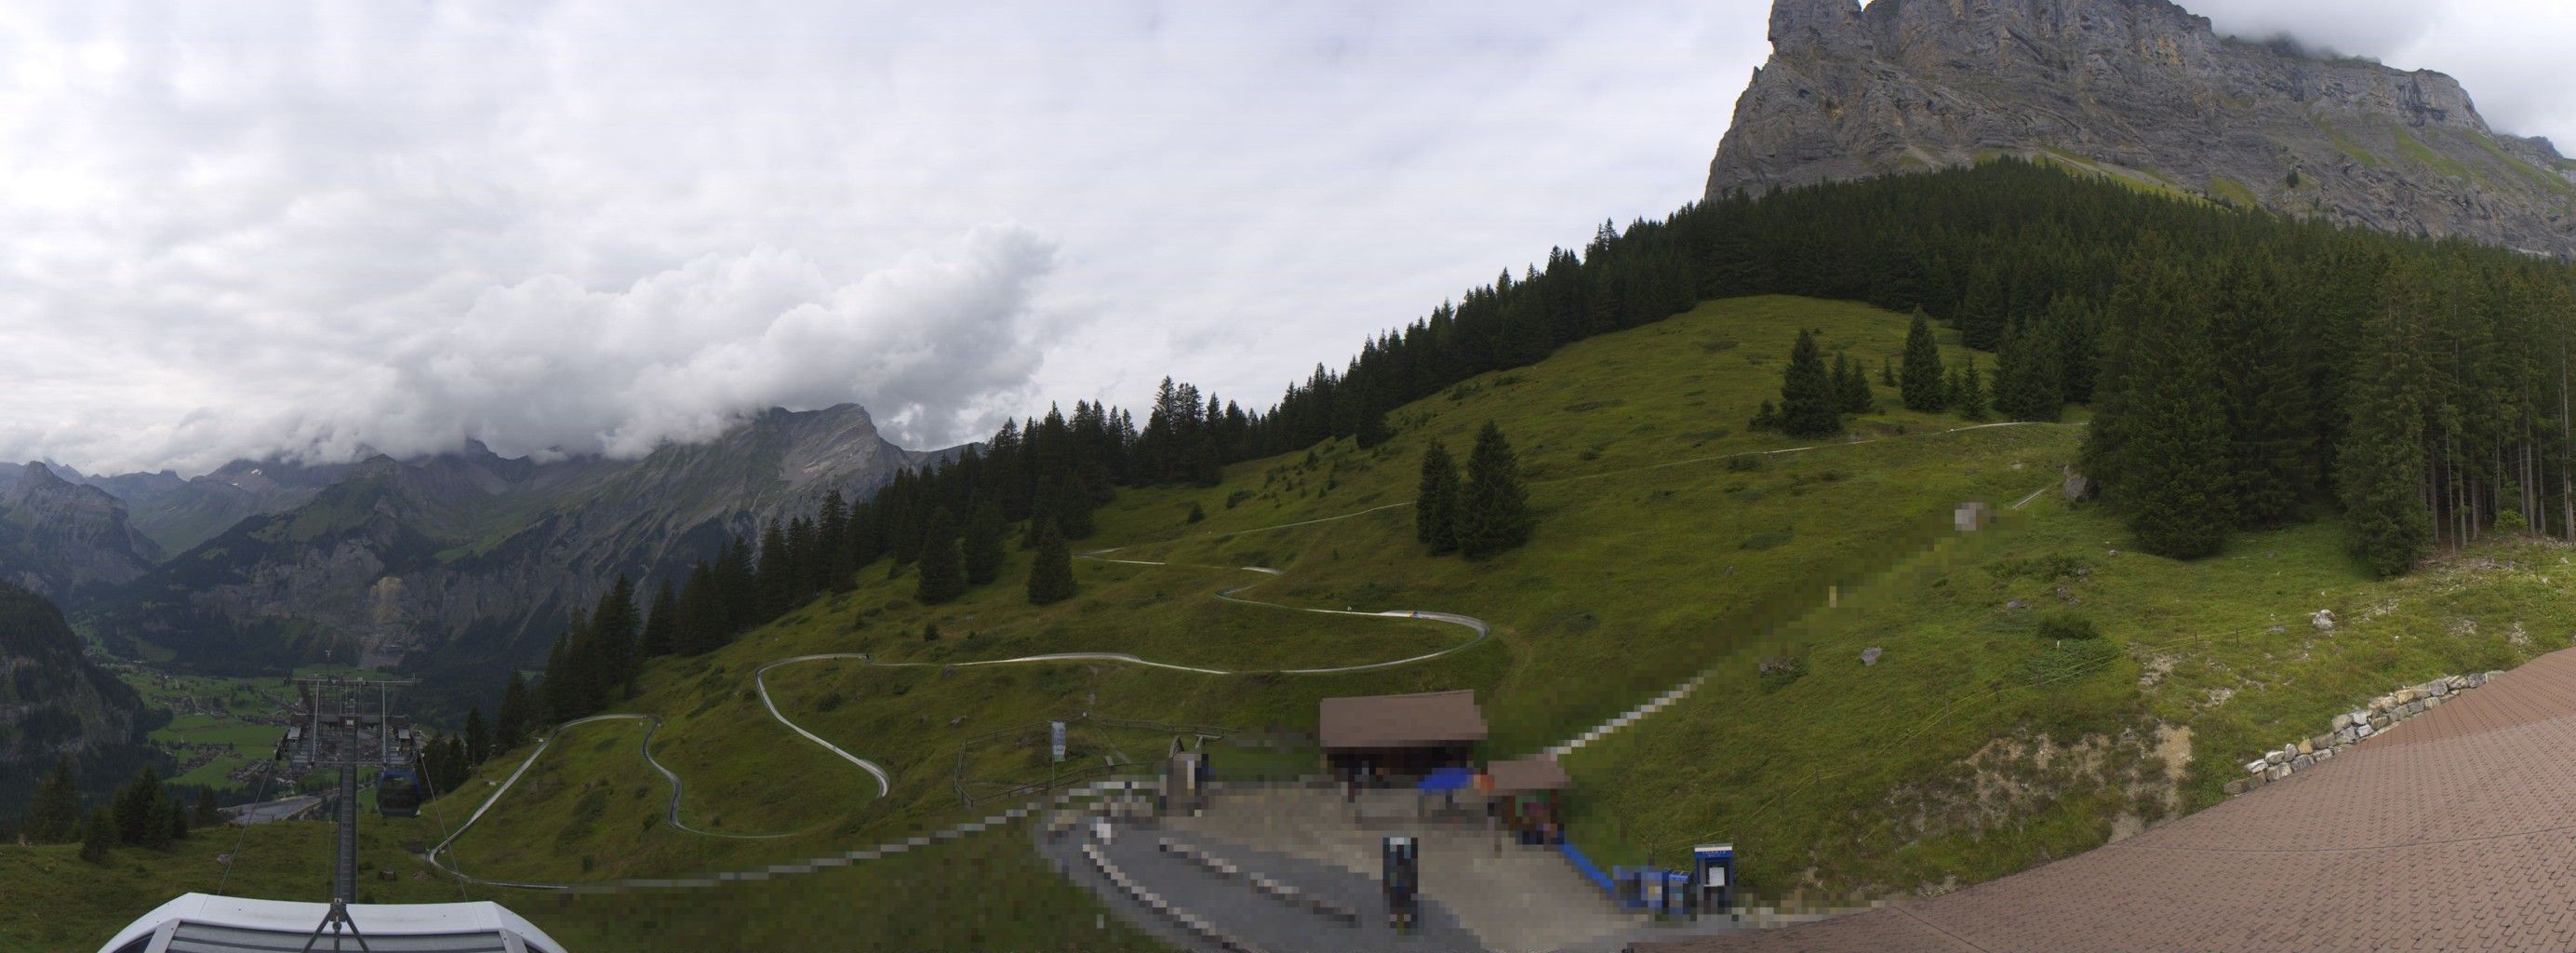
[(2351, 727)]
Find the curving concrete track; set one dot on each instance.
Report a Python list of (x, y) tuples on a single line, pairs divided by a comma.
[(882, 777), (671, 810)]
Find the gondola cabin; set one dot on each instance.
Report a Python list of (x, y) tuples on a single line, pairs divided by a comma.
[(398, 793)]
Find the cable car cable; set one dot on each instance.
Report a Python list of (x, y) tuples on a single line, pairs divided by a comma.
[(430, 794), (267, 773)]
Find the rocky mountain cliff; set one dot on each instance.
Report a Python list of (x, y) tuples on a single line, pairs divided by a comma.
[(54, 703), (64, 540), (471, 560), (2141, 89)]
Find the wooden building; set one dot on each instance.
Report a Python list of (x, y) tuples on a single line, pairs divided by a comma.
[(1379, 737)]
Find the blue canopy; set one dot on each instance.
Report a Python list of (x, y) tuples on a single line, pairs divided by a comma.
[(1449, 779)]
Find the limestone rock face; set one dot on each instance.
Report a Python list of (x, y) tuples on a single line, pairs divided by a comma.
[(2141, 89)]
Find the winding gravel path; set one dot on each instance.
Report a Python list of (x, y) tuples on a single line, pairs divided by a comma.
[(671, 811), (1481, 629)]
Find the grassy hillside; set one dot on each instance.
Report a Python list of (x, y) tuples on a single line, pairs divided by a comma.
[(1671, 541), (1627, 443), (1978, 744)]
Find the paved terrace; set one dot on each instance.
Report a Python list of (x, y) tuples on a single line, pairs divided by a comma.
[(2455, 830)]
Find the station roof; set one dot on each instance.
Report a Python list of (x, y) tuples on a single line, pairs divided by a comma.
[(1425, 720), (203, 923), (1526, 775)]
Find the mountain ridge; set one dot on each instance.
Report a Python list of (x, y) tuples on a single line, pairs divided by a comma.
[(471, 559), (2144, 89), (64, 540)]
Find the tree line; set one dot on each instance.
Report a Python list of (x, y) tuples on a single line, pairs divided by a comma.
[(141, 813), (2244, 370)]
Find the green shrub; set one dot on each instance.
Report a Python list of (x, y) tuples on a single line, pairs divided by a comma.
[(1780, 672), (2067, 627), (2048, 568), (2070, 660), (1761, 541)]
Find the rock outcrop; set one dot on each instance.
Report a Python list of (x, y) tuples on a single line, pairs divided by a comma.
[(53, 702), (2144, 90), (63, 540)]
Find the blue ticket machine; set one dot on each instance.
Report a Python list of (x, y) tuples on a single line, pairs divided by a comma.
[(1402, 857), (1713, 877)]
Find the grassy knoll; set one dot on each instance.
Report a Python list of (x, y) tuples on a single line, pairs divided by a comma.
[(1625, 440), (986, 893), (1978, 744), (57, 902)]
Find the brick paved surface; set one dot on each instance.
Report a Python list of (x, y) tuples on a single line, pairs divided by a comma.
[(2455, 830)]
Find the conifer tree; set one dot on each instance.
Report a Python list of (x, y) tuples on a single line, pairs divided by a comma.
[(557, 679), (805, 562), (736, 589), (478, 738), (777, 574), (2026, 376), (662, 624), (705, 619), (142, 815), (1851, 388), (98, 834), (1886, 373), (943, 568), (1766, 419), (511, 725), (2174, 479), (1971, 397), (1925, 387), (207, 813), (1493, 509), (1373, 431), (54, 816), (178, 820), (1051, 577), (613, 635), (2269, 425), (833, 563), (1985, 312), (1435, 508), (1807, 400), (2078, 351), (983, 545), (2380, 461)]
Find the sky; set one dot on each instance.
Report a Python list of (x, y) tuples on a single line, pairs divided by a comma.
[(242, 230)]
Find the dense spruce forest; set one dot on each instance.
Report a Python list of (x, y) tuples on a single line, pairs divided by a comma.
[(2244, 370)]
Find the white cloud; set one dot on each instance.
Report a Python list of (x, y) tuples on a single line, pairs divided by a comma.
[(2510, 54), (231, 229)]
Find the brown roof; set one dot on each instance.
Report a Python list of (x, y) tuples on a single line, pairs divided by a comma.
[(1426, 720), (1528, 774)]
